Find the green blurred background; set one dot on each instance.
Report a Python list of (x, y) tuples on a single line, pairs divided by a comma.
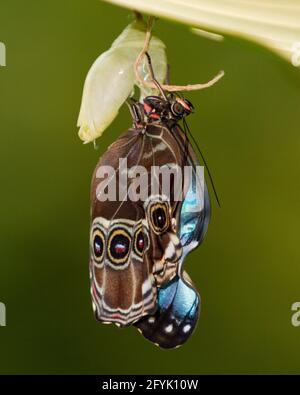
[(247, 270)]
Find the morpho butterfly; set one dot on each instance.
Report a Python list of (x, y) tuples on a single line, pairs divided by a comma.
[(138, 246)]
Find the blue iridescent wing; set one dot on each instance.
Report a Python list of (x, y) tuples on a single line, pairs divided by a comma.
[(194, 216), (176, 315), (178, 301)]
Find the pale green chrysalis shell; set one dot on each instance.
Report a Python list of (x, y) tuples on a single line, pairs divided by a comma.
[(111, 79)]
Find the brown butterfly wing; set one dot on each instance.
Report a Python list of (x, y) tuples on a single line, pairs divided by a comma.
[(124, 278), (122, 284)]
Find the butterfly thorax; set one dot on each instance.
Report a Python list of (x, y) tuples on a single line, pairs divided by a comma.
[(169, 110)]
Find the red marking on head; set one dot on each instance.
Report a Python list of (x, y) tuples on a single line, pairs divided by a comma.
[(147, 108), (155, 116)]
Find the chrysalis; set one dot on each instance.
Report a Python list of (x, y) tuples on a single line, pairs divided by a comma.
[(111, 79)]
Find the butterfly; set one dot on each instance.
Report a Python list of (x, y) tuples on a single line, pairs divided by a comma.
[(138, 245)]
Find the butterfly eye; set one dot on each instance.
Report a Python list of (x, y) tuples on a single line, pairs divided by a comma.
[(177, 109), (189, 105), (119, 246), (98, 245), (159, 217)]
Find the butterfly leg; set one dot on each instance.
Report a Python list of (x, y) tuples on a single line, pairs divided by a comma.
[(167, 79), (137, 113), (159, 87)]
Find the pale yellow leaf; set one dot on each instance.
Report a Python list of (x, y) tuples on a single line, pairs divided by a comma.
[(273, 23)]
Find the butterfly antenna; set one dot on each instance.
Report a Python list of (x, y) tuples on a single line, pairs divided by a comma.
[(167, 79), (186, 145), (204, 161), (185, 153)]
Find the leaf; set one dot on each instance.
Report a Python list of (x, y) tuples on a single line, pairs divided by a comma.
[(273, 23)]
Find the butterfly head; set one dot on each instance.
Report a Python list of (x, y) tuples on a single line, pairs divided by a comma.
[(174, 107), (180, 107)]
